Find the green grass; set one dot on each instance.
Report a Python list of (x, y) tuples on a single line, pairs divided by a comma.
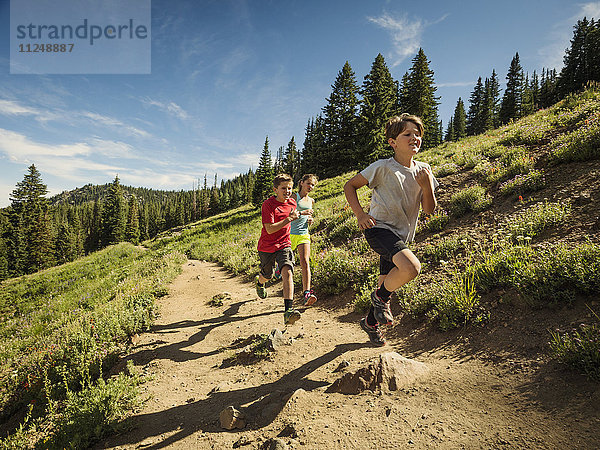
[(61, 329), (579, 348), (471, 199)]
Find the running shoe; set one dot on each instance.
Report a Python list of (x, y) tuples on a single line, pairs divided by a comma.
[(261, 291), (374, 334), (290, 316), (382, 311), (309, 297)]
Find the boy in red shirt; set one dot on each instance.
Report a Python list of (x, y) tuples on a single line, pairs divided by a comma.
[(274, 244)]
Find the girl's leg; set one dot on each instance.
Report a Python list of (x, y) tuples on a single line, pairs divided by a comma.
[(304, 256)]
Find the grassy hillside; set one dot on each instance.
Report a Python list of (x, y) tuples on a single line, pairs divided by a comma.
[(61, 330), (517, 224)]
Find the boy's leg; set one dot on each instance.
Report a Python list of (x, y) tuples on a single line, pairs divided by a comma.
[(407, 268), (286, 263), (267, 265), (398, 265), (287, 275)]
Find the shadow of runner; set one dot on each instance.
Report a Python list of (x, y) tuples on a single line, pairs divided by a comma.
[(176, 351), (265, 402)]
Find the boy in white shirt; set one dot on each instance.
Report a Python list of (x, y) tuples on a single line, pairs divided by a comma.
[(401, 186)]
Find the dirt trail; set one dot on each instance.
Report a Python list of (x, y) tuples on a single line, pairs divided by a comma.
[(489, 388)]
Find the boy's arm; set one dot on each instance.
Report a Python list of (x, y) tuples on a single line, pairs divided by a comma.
[(425, 179), (352, 185), (275, 227)]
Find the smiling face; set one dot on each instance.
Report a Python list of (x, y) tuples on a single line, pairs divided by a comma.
[(407, 143), (283, 191), (307, 185)]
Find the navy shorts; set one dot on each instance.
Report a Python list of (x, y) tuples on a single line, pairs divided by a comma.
[(386, 244), (284, 257)]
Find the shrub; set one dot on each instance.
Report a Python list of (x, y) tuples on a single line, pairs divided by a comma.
[(473, 199), (536, 219), (434, 222), (522, 184), (445, 170), (581, 144), (579, 349), (445, 248)]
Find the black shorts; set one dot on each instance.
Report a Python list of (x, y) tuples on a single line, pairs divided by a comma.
[(284, 257), (386, 244)]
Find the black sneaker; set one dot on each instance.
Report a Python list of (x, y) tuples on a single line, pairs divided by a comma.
[(373, 332), (381, 309)]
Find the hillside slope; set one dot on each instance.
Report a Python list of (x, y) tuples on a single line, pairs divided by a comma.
[(524, 235)]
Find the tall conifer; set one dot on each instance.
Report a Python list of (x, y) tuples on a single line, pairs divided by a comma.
[(132, 228), (512, 101), (340, 118), (460, 120), (264, 176), (419, 89), (113, 220), (379, 102)]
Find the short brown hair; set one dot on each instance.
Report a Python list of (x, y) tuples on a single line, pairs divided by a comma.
[(281, 178), (397, 125)]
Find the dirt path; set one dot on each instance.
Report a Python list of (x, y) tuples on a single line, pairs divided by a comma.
[(475, 396)]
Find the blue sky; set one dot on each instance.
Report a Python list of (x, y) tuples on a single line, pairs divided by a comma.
[(226, 74)]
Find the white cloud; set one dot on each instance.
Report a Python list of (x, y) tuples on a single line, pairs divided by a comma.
[(12, 108), (589, 10), (406, 33), (19, 148), (115, 123), (171, 108)]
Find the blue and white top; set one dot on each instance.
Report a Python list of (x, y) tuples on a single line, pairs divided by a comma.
[(300, 225)]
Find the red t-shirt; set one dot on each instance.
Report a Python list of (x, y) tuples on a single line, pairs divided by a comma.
[(274, 211)]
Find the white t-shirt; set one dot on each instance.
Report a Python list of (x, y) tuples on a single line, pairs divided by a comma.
[(396, 197)]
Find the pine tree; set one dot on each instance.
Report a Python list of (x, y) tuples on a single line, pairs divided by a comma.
[(340, 118), (113, 220), (450, 136), (379, 102), (528, 105), (4, 236), (592, 45), (307, 157), (512, 101), (64, 244), (31, 243), (476, 117), (93, 241), (132, 228), (278, 166), (492, 101), (41, 249), (575, 72), (264, 176), (291, 160), (460, 120), (420, 90)]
